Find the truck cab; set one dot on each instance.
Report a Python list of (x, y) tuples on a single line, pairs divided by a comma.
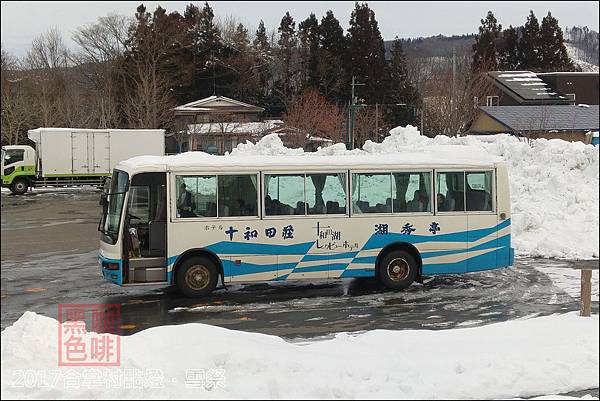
[(18, 167)]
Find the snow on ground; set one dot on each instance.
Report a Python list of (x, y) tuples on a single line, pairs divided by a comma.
[(553, 183), (545, 355), (569, 280)]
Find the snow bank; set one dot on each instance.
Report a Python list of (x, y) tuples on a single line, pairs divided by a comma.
[(547, 355), (554, 183)]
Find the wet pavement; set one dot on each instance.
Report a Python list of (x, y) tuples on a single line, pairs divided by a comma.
[(49, 242)]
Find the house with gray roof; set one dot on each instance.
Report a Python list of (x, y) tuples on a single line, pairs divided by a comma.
[(568, 122)]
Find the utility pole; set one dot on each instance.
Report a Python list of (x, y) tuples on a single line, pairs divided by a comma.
[(376, 121), (350, 132), (422, 117)]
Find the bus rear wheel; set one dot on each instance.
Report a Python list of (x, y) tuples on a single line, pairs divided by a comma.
[(397, 270), (196, 277), (19, 186)]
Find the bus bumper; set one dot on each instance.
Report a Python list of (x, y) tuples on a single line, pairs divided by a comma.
[(112, 269)]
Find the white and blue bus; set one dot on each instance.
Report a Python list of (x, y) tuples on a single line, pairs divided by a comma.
[(193, 219)]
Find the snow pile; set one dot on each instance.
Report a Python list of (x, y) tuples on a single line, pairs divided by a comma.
[(547, 355), (554, 183)]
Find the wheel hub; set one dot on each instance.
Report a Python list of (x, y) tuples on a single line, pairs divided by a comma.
[(197, 277), (398, 270)]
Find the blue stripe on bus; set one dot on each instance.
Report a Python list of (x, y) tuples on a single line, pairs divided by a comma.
[(494, 243), (331, 256), (501, 257), (365, 259), (247, 248), (379, 241), (358, 273), (490, 260)]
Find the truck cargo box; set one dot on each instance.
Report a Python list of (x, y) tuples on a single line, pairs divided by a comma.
[(63, 152)]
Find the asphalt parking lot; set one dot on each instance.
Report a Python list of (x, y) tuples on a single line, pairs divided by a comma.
[(49, 243)]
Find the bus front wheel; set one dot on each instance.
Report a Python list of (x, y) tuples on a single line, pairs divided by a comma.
[(397, 270), (196, 277), (19, 186)]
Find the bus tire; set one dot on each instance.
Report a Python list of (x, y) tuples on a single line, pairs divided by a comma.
[(19, 186), (397, 270), (196, 277)]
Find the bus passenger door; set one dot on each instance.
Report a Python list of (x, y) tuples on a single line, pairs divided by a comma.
[(146, 229), (482, 219), (451, 226)]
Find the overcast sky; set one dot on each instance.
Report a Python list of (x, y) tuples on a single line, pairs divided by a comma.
[(22, 21)]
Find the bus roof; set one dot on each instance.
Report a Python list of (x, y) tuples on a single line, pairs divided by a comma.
[(447, 156)]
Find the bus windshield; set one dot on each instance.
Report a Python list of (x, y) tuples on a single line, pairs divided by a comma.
[(116, 196)]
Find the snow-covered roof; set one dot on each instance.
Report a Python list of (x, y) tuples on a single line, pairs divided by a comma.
[(213, 103), (447, 156), (527, 87), (545, 118)]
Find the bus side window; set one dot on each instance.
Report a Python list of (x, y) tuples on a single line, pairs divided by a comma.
[(237, 195), (450, 192), (284, 194), (326, 193), (371, 193), (412, 192), (196, 196), (479, 191)]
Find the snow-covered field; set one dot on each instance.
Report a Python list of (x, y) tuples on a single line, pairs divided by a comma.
[(553, 183), (520, 358)]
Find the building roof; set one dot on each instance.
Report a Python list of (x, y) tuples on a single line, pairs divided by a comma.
[(216, 104), (569, 73), (545, 118), (526, 87)]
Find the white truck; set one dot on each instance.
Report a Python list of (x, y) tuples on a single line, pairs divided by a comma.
[(73, 156)]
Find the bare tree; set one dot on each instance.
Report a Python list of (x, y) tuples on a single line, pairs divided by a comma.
[(101, 47), (46, 62), (17, 113), (147, 75), (313, 115), (364, 125), (450, 98)]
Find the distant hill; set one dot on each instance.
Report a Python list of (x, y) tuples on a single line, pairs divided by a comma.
[(435, 46)]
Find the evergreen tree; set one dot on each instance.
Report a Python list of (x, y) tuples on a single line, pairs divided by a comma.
[(530, 45), (287, 46), (366, 55), (485, 57), (245, 83), (333, 76), (262, 49), (261, 41), (553, 54), (308, 33), (401, 89), (510, 57), (240, 37)]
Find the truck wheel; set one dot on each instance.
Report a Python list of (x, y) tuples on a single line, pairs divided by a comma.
[(397, 270), (19, 186), (196, 277)]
